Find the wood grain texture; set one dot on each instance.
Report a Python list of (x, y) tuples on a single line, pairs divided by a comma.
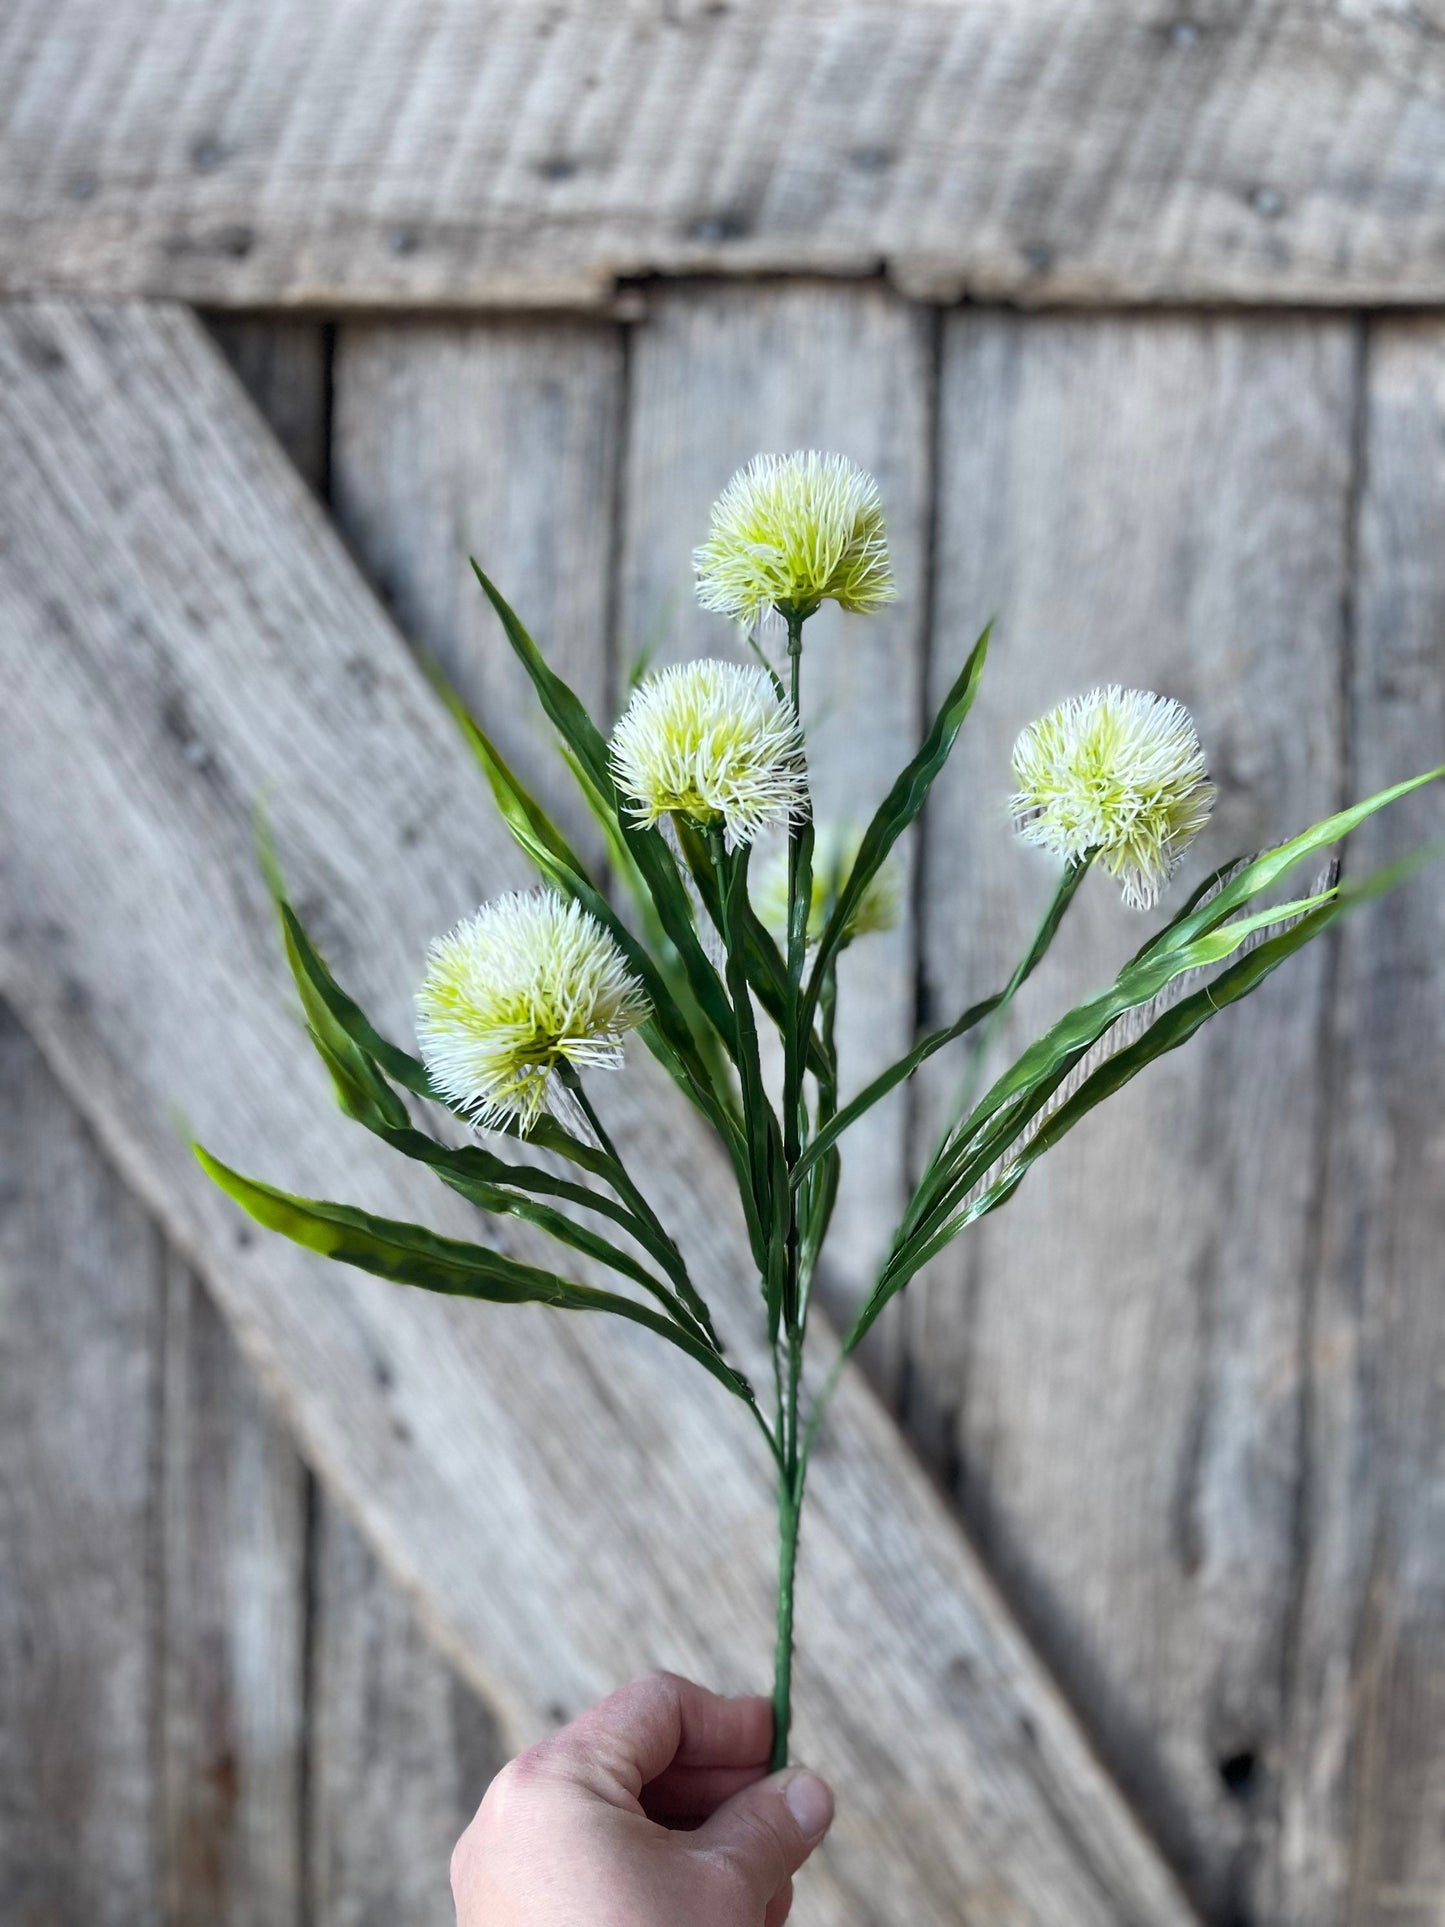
[(397, 1746), (80, 1293), (1108, 1373), (231, 1624), (633, 1524), (718, 376), (499, 441), (520, 154), (1364, 1824), (401, 1749)]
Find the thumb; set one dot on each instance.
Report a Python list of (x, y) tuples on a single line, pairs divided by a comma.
[(767, 1831)]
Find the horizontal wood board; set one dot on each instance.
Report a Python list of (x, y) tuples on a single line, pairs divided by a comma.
[(352, 153)]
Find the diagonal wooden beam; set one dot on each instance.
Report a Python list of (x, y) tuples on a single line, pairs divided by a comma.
[(184, 633), (450, 153)]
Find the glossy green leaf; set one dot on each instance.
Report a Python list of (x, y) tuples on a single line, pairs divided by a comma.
[(410, 1255)]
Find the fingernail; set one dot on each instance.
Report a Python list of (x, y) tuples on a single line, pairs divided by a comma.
[(810, 1803)]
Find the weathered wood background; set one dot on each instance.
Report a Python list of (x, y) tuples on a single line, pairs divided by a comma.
[(1185, 1398)]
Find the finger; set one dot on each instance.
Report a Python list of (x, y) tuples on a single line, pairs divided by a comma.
[(694, 1792), (721, 1732), (768, 1830), (639, 1731), (780, 1906)]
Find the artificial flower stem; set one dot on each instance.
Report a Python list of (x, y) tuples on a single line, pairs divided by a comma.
[(790, 1510), (793, 1043)]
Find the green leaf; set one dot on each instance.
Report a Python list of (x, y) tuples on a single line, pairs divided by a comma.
[(408, 1071), (410, 1255), (492, 1183), (905, 1066), (651, 856), (1203, 914), (767, 974), (898, 810), (564, 708), (765, 1197), (1174, 1027), (1033, 1078)]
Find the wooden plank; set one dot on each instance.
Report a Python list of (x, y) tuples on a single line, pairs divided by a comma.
[(510, 155), (232, 1631), (1363, 1841), (169, 697), (398, 1748), (79, 1317), (499, 441), (717, 376), (1108, 1374), (401, 1749)]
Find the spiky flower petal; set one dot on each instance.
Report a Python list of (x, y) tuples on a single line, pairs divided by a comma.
[(835, 850), (1120, 772), (790, 532), (716, 743), (530, 982)]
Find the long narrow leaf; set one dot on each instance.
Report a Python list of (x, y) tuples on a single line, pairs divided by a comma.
[(898, 810), (589, 759), (767, 974), (1028, 1084), (408, 1071), (493, 1183), (1261, 872), (410, 1255), (906, 1065), (767, 1171), (1171, 1029)]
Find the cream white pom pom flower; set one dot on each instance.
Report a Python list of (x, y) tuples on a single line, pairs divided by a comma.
[(790, 532), (716, 743), (835, 849), (530, 982), (1120, 772)]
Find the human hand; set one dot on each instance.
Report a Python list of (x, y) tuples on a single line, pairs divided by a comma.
[(654, 1808)]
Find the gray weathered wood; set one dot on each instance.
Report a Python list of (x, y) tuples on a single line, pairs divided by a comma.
[(231, 1626), (1363, 1840), (401, 1749), (1108, 1372), (521, 1470), (519, 155), (398, 1748), (499, 441), (79, 1397), (718, 376)]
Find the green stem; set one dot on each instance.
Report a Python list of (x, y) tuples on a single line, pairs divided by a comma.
[(790, 1512), (793, 1048), (790, 1484)]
